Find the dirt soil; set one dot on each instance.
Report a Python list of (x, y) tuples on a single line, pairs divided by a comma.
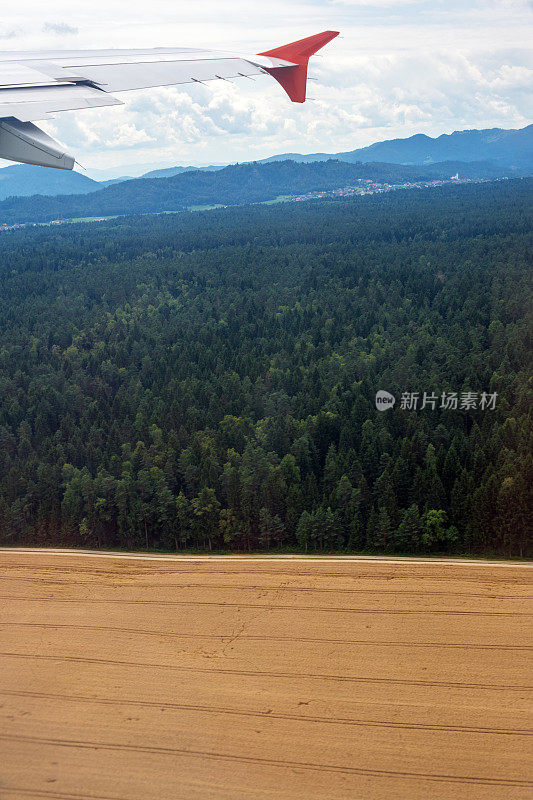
[(267, 679)]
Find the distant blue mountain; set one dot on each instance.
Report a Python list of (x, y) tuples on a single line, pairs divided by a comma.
[(171, 171), (24, 180), (506, 148)]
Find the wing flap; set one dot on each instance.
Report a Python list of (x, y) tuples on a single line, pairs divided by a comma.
[(29, 104), (125, 76), (19, 74)]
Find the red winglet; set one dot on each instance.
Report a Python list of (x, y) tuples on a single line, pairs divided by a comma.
[(294, 79)]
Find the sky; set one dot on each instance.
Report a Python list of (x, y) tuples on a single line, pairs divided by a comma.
[(401, 67)]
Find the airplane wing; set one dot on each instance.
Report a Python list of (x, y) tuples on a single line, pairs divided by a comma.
[(36, 86)]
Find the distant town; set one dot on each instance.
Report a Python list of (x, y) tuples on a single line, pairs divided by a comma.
[(364, 186)]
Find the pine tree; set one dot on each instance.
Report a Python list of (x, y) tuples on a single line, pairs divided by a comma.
[(383, 530), (304, 531), (408, 536)]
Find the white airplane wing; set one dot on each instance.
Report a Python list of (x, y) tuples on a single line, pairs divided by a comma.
[(36, 86)]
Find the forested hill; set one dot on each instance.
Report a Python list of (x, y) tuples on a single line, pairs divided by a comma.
[(25, 180), (236, 184), (209, 380)]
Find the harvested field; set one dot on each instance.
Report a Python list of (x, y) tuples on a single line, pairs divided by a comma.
[(263, 678)]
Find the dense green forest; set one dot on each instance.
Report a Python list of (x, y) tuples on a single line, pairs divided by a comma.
[(207, 380), (233, 185)]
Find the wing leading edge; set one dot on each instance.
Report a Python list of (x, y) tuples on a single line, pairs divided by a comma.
[(36, 86)]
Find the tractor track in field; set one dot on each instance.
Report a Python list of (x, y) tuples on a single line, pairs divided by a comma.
[(269, 714), (268, 606), (259, 588), (276, 674), (271, 762), (49, 794), (246, 637)]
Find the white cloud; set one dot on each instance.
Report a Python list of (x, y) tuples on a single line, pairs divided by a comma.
[(59, 28), (9, 34)]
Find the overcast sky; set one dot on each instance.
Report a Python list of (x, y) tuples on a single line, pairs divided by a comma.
[(402, 67)]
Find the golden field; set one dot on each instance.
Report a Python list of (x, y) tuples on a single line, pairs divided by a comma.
[(234, 678)]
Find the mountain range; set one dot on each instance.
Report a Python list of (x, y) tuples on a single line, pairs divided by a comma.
[(512, 149), (495, 152)]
